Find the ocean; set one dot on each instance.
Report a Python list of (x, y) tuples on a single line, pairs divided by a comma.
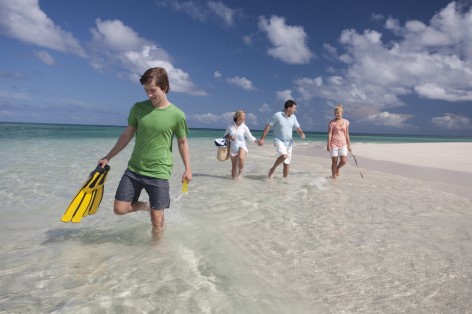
[(304, 244)]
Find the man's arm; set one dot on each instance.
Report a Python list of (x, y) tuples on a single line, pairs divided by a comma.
[(264, 134), (185, 155), (121, 143), (300, 132)]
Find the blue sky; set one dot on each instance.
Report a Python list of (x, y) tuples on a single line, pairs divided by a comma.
[(400, 66)]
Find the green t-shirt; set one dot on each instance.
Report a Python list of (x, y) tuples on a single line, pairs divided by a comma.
[(152, 152)]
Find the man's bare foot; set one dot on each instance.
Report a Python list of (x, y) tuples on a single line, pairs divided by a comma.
[(271, 173)]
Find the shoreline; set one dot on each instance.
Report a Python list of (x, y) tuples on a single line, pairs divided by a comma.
[(442, 163)]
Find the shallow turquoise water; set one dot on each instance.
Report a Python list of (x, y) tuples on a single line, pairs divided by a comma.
[(305, 244)]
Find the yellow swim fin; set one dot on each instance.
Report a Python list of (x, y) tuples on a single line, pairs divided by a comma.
[(89, 196), (99, 194)]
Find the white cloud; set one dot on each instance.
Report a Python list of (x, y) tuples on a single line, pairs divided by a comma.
[(224, 118), (207, 118), (265, 108), (45, 57), (251, 119), (432, 61), (376, 17), (24, 20), (242, 82), (392, 24), (388, 119), (116, 36), (284, 95), (247, 40), (113, 43), (306, 87), (217, 74), (135, 55), (203, 10), (222, 11), (331, 50), (192, 8), (452, 122), (289, 42), (433, 91)]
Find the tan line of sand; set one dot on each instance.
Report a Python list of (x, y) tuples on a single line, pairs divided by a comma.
[(448, 163), (450, 156)]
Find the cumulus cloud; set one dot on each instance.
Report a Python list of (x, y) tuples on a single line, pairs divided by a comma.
[(208, 118), (247, 39), (377, 17), (289, 43), (116, 36), (193, 8), (242, 82), (265, 108), (135, 54), (388, 119), (222, 11), (217, 74), (211, 118), (451, 121), (284, 95), (203, 11), (429, 60), (433, 91), (24, 20), (45, 57)]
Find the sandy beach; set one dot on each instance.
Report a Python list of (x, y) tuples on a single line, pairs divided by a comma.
[(447, 163)]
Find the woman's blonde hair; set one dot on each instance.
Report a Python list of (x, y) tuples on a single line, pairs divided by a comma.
[(339, 107), (238, 114)]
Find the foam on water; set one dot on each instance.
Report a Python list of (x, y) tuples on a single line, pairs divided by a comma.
[(303, 244)]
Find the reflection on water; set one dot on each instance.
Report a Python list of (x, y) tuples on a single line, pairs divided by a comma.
[(378, 244)]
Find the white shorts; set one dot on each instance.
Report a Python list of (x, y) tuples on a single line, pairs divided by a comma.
[(283, 149), (234, 149), (335, 152)]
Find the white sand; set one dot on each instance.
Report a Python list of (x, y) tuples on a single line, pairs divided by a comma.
[(444, 163), (450, 156)]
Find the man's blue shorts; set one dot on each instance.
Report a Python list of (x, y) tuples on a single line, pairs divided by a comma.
[(132, 184)]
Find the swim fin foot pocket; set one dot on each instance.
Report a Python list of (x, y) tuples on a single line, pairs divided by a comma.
[(89, 197)]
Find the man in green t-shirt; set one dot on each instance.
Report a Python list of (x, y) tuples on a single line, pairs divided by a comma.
[(154, 121)]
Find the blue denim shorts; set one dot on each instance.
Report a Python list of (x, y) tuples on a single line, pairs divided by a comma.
[(132, 184)]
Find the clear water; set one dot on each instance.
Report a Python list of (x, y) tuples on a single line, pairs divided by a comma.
[(305, 244)]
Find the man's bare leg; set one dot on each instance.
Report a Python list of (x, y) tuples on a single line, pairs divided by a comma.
[(122, 208), (277, 163), (286, 168), (157, 220)]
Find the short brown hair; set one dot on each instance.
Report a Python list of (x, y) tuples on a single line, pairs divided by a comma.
[(289, 103), (159, 76)]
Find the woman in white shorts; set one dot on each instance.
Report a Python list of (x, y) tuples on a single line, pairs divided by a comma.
[(339, 142), (235, 133)]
